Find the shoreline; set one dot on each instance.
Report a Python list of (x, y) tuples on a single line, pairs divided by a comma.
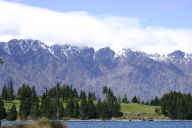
[(104, 120)]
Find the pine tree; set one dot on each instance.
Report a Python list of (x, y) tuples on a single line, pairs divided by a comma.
[(105, 112), (135, 100), (116, 108), (25, 108), (83, 109), (12, 114), (75, 93), (24, 92), (60, 110), (152, 102), (10, 91), (125, 100), (99, 108), (45, 102), (103, 109), (5, 94), (2, 110), (92, 112), (156, 101), (90, 95), (76, 109), (119, 99), (177, 106), (69, 108), (105, 90), (147, 102), (52, 109), (35, 110), (82, 95), (142, 102), (110, 96), (34, 95), (25, 95)]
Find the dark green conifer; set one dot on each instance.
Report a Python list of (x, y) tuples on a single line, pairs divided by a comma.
[(25, 95), (135, 100), (76, 109), (82, 95), (5, 94), (83, 109), (60, 110), (12, 114), (35, 110), (99, 108), (69, 108), (45, 102), (125, 100), (2, 110), (92, 112), (11, 91)]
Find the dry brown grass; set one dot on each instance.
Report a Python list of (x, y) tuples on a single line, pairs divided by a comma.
[(41, 123)]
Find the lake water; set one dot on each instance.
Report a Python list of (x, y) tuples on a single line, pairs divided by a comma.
[(124, 124)]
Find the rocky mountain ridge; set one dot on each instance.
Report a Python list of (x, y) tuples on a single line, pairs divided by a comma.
[(126, 72)]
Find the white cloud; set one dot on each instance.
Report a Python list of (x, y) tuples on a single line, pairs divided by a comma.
[(82, 28)]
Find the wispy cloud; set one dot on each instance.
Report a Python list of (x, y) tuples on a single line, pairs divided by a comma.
[(82, 28)]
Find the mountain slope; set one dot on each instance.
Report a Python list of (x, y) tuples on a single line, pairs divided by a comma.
[(126, 72)]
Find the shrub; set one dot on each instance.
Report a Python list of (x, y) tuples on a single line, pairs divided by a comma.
[(157, 110), (41, 123)]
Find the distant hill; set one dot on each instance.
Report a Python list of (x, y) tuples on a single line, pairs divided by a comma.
[(125, 72)]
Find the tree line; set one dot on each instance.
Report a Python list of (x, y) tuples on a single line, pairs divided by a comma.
[(63, 102), (177, 105), (59, 102)]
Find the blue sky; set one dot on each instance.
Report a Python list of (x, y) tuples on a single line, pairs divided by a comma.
[(165, 13), (153, 26)]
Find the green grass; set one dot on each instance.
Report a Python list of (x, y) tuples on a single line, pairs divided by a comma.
[(134, 107), (8, 104)]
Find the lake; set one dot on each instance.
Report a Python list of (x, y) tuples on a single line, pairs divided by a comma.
[(124, 124)]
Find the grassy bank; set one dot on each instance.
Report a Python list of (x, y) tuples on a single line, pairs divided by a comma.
[(41, 123), (132, 111), (8, 104), (134, 107)]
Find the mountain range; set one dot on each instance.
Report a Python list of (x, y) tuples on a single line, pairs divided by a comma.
[(129, 72)]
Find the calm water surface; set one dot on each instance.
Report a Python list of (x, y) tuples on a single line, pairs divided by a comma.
[(129, 124), (124, 124)]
